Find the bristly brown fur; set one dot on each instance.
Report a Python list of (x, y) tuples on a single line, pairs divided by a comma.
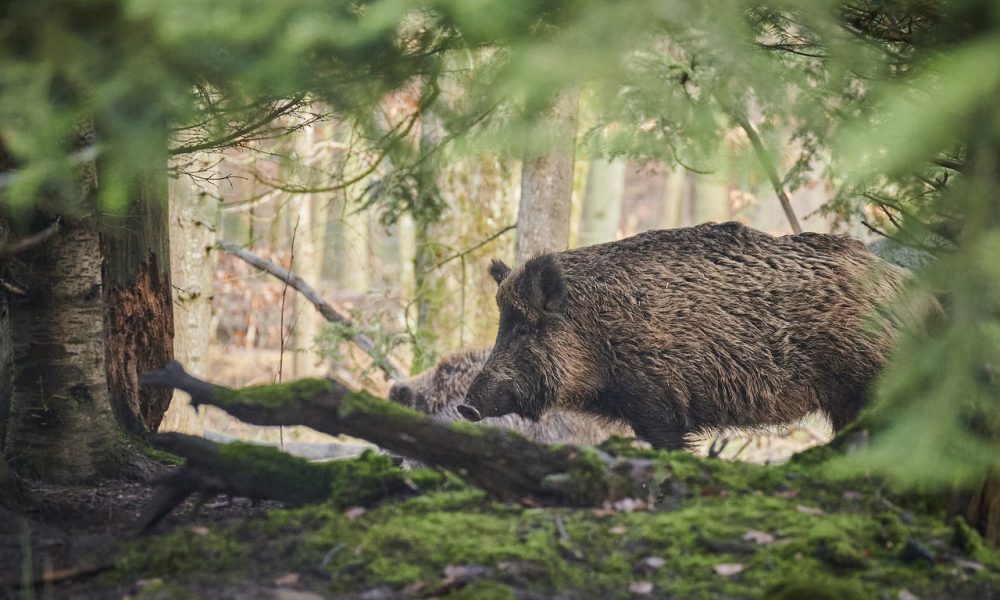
[(439, 390), (682, 331)]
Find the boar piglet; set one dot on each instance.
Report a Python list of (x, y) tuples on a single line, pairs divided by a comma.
[(685, 331), (438, 391)]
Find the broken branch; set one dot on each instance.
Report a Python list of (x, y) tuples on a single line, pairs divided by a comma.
[(390, 367)]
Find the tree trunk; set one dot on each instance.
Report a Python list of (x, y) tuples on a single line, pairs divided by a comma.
[(602, 201), (6, 481), (547, 188), (309, 243), (711, 200), (194, 219), (138, 316), (61, 426), (673, 200), (428, 285), (4, 353)]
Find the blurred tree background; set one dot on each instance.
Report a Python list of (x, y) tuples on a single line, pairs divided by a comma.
[(381, 149)]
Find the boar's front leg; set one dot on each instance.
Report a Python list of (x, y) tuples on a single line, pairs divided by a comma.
[(658, 429), (663, 435)]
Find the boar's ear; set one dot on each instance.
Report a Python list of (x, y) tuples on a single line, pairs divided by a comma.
[(499, 270), (546, 289)]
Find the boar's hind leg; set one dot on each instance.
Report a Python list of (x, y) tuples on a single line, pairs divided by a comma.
[(844, 409)]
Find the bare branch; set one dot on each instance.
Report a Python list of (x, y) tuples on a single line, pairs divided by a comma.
[(18, 246), (948, 163), (386, 364), (475, 246), (770, 170)]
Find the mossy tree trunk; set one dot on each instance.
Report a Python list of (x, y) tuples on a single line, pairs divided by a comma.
[(543, 214), (61, 425)]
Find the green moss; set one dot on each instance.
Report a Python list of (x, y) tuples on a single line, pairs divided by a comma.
[(965, 538), (364, 480), (366, 402), (180, 552), (164, 458), (848, 550), (586, 479), (276, 394), (271, 468), (816, 586), (483, 590)]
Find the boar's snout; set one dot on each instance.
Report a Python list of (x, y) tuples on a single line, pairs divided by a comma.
[(480, 403), (469, 412), (400, 393)]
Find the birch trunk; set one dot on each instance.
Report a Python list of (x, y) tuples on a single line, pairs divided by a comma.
[(194, 220), (602, 201), (61, 426), (543, 214)]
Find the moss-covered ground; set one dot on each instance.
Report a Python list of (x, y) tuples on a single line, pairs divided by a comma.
[(717, 530)]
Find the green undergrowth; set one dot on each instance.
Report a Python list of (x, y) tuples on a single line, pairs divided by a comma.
[(718, 530)]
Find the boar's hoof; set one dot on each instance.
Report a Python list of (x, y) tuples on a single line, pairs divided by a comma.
[(469, 412)]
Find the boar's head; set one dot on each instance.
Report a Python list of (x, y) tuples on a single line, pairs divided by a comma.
[(522, 372)]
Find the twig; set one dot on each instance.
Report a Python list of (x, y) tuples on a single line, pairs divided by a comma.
[(742, 448), (32, 240), (284, 292), (475, 246), (717, 446), (947, 163), (770, 170), (85, 155), (59, 575), (388, 366)]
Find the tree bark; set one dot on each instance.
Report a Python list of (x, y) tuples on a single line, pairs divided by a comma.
[(543, 213), (309, 242), (6, 481), (61, 425), (194, 221), (602, 201), (139, 324), (673, 198)]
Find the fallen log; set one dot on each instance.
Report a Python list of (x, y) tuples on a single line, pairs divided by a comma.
[(266, 473), (500, 462)]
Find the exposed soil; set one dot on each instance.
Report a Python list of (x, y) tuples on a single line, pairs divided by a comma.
[(75, 532)]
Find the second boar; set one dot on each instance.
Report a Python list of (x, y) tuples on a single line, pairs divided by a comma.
[(440, 390)]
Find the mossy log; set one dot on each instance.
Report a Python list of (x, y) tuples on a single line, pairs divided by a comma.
[(500, 462), (266, 473)]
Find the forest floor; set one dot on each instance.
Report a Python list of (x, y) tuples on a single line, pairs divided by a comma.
[(711, 529)]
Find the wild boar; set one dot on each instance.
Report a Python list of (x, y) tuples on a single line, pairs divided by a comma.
[(440, 390), (686, 331)]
